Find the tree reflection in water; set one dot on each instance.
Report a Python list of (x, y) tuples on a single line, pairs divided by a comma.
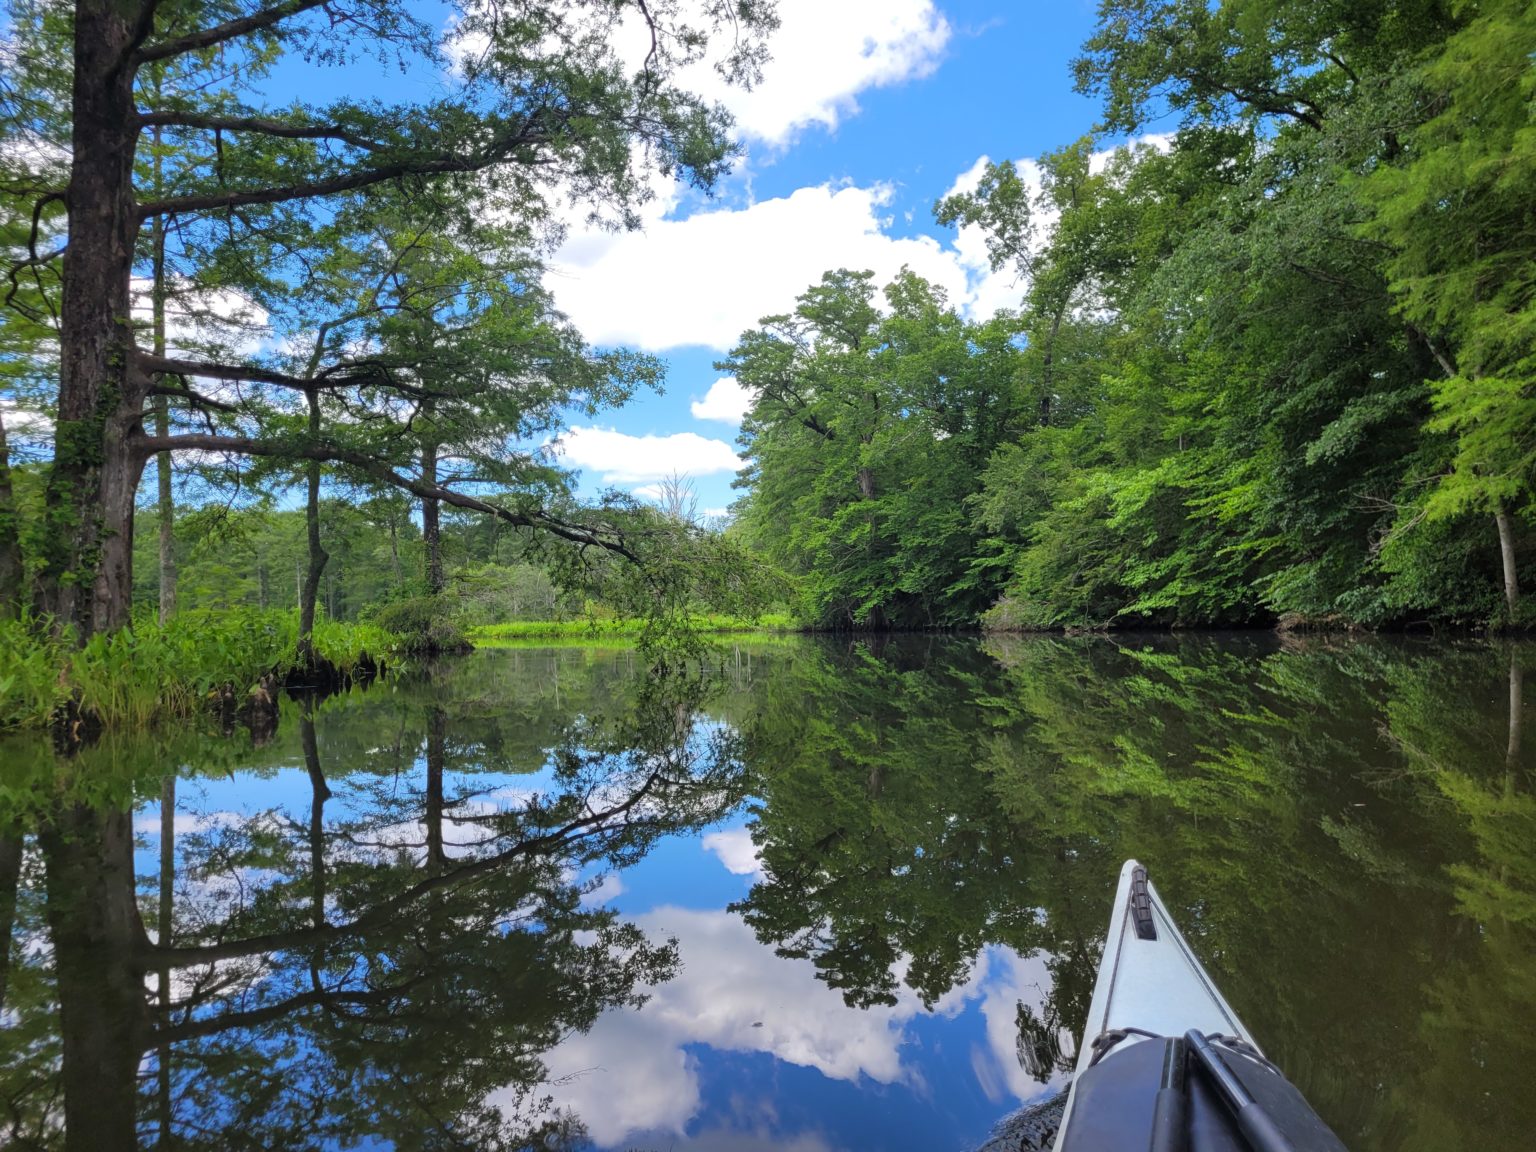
[(1345, 831), (389, 968)]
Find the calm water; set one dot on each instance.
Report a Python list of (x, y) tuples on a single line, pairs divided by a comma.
[(827, 896)]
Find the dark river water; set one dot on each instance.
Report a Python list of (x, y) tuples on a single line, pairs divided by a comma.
[(824, 895)]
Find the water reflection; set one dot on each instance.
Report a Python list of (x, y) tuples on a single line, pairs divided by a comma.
[(375, 968), (426, 915)]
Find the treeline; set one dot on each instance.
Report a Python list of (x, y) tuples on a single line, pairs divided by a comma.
[(1279, 365)]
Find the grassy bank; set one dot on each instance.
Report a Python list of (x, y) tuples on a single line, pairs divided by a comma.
[(587, 630), (148, 674)]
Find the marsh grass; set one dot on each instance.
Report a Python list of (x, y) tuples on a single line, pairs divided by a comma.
[(597, 630), (147, 674)]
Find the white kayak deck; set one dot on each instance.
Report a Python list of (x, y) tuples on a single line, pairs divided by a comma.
[(1155, 985)]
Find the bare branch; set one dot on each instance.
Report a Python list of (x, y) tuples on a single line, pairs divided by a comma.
[(196, 399)]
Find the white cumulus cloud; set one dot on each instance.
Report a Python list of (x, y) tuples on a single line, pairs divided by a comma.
[(726, 401), (824, 55), (705, 279), (620, 458), (634, 1077), (736, 851)]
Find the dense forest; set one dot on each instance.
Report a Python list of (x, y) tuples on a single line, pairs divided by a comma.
[(1276, 358)]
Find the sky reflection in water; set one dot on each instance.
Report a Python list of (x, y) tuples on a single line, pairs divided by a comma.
[(885, 867)]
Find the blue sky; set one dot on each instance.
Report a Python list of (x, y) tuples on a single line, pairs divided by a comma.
[(870, 111)]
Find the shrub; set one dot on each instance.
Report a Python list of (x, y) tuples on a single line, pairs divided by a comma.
[(421, 625)]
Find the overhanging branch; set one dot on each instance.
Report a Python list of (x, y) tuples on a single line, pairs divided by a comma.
[(221, 33), (257, 124), (529, 134), (610, 541)]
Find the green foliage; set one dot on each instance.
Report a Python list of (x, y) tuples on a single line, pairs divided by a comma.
[(151, 674), (1278, 366), (421, 624), (597, 629), (865, 439)]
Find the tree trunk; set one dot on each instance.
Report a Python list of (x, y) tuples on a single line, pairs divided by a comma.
[(86, 557), (1047, 373), (866, 478), (1507, 554), (319, 792), (431, 533), (318, 556), (1516, 710), (165, 500), (165, 930), (98, 948), (394, 550), (10, 538), (437, 739)]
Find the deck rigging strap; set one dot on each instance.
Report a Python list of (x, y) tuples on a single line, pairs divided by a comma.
[(1141, 905)]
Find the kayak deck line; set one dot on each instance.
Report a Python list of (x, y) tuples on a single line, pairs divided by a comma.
[(1165, 1063)]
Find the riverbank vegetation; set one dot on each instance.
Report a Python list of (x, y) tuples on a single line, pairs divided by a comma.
[(152, 673), (596, 628), (1274, 361)]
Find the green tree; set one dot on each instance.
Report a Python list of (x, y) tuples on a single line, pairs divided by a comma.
[(1455, 211), (864, 440)]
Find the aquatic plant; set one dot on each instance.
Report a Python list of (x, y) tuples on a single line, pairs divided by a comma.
[(149, 673)]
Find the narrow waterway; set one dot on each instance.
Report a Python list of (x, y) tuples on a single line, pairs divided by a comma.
[(824, 895)]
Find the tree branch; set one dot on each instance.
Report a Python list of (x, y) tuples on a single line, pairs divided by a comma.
[(371, 466), (428, 164), (256, 124), (388, 911), (227, 1021), (338, 376), (196, 399), (219, 33)]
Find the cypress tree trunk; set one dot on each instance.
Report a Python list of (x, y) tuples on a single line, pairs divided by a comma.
[(85, 561), (437, 740), (1507, 554), (164, 932), (1516, 711), (10, 538), (165, 501), (10, 883), (319, 793), (431, 532), (318, 556)]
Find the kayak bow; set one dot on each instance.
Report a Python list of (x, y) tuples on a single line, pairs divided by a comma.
[(1165, 1064)]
